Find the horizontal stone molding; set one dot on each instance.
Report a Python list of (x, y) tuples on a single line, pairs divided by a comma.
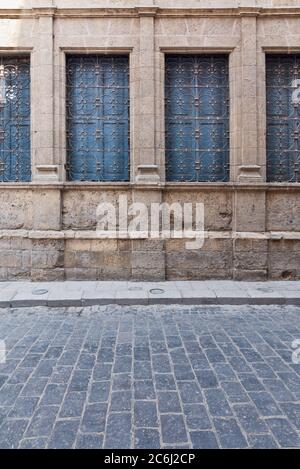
[(181, 186), (148, 11), (87, 234)]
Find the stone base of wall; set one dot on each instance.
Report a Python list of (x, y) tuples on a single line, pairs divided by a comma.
[(123, 259)]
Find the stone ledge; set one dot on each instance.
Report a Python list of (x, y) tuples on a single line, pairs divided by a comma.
[(87, 234), (160, 186), (154, 11)]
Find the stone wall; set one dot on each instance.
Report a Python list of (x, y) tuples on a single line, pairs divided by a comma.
[(47, 227)]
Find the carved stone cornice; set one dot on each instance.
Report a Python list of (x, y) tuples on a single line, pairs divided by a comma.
[(148, 11), (44, 11)]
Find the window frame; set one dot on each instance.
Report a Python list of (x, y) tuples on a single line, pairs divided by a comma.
[(232, 52), (117, 120), (226, 120), (26, 52), (61, 106), (275, 52)]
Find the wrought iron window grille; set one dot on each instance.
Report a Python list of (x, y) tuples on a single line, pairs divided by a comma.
[(15, 165), (283, 117), (197, 118), (98, 142)]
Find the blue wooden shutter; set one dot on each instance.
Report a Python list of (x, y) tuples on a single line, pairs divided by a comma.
[(197, 118), (283, 119), (98, 118), (15, 119)]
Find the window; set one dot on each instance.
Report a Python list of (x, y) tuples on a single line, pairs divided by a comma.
[(15, 119), (197, 118), (97, 118), (283, 118)]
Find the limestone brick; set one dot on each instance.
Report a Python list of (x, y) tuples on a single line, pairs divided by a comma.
[(283, 212)]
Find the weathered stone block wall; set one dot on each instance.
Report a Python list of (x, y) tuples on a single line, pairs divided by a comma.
[(47, 227)]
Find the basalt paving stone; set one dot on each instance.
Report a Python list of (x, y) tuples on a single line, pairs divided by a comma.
[(33, 443), (89, 441), (11, 432), (118, 431), (145, 414), (142, 370), (64, 434), (204, 440), (173, 429), (197, 417), (168, 401), (72, 405), (146, 438), (262, 442), (150, 377), (230, 434)]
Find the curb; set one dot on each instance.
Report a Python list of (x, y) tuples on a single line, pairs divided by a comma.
[(150, 301)]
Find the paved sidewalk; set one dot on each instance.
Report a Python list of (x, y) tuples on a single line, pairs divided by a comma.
[(18, 294), (150, 377)]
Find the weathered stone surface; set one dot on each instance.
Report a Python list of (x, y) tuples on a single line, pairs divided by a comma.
[(250, 260), (252, 275), (38, 275), (251, 245), (4, 275), (81, 274), (11, 258), (80, 207), (46, 210), (47, 260), (16, 209), (283, 211), (218, 210), (47, 245)]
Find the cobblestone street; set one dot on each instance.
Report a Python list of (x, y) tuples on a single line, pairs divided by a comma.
[(150, 377)]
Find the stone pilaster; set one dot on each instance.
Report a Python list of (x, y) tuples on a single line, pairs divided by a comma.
[(249, 205), (249, 212), (249, 169), (44, 168), (46, 202), (148, 256), (146, 171)]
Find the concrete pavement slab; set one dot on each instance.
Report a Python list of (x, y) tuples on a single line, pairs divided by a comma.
[(6, 295), (76, 293)]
